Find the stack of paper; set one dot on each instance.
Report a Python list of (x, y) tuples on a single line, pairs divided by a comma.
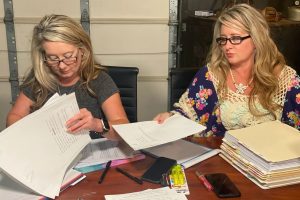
[(267, 153), (99, 151), (184, 152), (9, 189), (37, 150)]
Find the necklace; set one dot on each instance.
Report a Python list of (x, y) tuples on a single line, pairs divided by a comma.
[(240, 88)]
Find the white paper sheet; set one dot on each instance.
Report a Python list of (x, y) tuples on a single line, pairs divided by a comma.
[(151, 194), (101, 151), (141, 135), (11, 190), (36, 151)]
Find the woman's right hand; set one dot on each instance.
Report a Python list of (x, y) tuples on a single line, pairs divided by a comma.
[(161, 117)]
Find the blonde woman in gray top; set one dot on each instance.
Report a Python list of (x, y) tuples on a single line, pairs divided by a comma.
[(63, 62)]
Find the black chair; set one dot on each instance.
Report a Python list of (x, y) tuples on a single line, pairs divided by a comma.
[(179, 80), (126, 80)]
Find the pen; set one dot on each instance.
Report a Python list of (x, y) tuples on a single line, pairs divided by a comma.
[(204, 181), (104, 172), (139, 181)]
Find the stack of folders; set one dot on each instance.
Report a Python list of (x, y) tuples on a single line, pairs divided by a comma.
[(267, 153)]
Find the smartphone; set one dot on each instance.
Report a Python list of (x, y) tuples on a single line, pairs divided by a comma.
[(222, 185), (155, 172)]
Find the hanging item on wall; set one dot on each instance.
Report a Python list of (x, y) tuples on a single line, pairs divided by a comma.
[(294, 13), (271, 14)]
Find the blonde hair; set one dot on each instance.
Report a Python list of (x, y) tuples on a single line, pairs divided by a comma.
[(267, 56), (58, 28)]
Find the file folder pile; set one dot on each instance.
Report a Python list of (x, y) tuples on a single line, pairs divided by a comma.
[(268, 153)]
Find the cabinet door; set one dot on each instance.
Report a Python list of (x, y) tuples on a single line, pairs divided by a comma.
[(286, 35), (196, 41)]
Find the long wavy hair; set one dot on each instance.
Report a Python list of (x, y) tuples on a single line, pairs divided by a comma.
[(267, 56), (58, 28)]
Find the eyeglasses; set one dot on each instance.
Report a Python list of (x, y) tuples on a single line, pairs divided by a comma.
[(56, 62), (233, 40)]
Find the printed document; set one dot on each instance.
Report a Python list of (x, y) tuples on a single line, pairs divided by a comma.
[(141, 135), (37, 150), (150, 194), (102, 150)]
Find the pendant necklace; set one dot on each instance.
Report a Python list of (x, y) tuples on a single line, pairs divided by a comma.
[(240, 88)]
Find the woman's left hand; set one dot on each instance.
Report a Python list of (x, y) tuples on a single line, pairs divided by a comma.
[(83, 120)]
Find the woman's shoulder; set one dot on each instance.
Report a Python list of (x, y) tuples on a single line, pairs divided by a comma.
[(291, 70), (101, 76), (210, 75), (103, 80), (287, 71), (288, 78), (204, 78), (204, 69), (203, 72)]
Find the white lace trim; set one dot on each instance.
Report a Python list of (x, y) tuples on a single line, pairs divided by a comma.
[(234, 109)]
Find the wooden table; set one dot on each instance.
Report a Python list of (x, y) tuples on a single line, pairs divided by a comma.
[(116, 183)]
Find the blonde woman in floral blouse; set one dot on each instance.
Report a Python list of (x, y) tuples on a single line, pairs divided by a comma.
[(246, 80)]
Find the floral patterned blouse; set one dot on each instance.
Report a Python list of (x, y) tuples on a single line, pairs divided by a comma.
[(200, 102)]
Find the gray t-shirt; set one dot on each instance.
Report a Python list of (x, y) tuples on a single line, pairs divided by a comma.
[(103, 86)]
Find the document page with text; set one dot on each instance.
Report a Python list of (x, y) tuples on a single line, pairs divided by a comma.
[(102, 150), (141, 135), (164, 193), (37, 150)]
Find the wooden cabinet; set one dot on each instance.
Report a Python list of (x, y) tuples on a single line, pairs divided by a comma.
[(197, 36)]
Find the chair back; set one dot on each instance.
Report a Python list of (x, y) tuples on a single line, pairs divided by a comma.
[(179, 80), (126, 80)]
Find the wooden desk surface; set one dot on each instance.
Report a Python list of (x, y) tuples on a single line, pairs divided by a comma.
[(116, 183)]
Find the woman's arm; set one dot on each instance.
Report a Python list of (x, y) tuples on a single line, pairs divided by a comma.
[(161, 117), (115, 114), (113, 110), (291, 108), (20, 109)]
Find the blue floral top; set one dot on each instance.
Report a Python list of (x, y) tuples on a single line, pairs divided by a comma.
[(200, 102)]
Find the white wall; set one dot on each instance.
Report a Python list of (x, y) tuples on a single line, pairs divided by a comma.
[(123, 33)]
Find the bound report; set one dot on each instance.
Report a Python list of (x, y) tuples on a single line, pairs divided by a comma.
[(184, 152)]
